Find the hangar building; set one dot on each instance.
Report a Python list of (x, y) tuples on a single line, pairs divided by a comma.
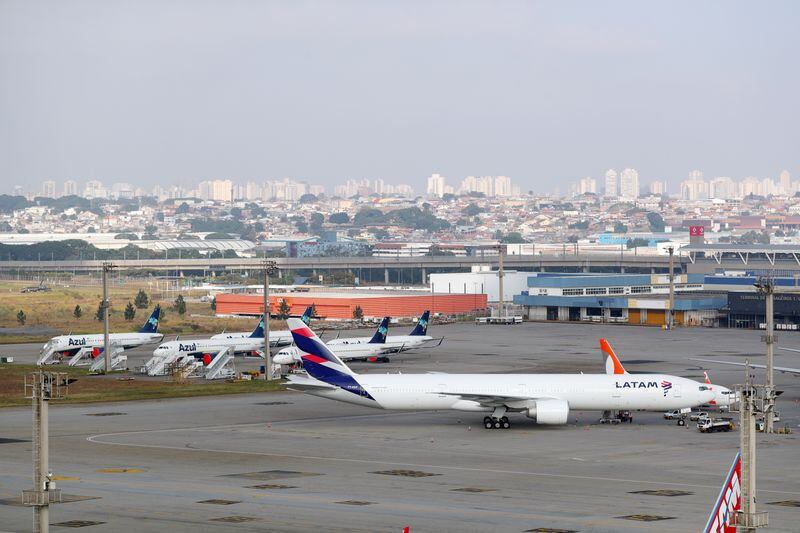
[(340, 305)]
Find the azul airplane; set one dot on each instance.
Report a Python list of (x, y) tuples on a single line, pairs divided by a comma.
[(198, 347), (547, 398), (64, 346), (417, 338), (276, 338), (366, 348), (724, 398)]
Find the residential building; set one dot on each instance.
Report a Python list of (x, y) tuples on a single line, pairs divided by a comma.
[(658, 187), (49, 189), (436, 185), (70, 188), (611, 184), (629, 184)]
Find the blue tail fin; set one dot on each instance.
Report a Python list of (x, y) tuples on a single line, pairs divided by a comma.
[(306, 318), (258, 333), (380, 333), (422, 325), (151, 326)]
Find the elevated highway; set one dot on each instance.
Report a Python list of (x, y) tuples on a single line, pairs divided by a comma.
[(621, 262)]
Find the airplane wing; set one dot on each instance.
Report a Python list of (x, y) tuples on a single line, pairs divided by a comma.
[(489, 400), (782, 369), (430, 343)]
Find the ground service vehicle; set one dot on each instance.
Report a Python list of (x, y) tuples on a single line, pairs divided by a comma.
[(712, 425)]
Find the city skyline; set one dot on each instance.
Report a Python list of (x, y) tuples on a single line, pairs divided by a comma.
[(608, 183), (542, 92)]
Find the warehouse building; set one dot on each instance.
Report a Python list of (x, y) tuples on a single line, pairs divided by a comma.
[(341, 305), (482, 280), (641, 299)]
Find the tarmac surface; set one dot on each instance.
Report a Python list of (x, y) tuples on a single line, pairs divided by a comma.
[(292, 462)]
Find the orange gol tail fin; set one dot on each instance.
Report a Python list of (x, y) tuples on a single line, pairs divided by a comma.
[(612, 363)]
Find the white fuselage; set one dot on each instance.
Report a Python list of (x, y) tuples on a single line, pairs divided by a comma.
[(237, 345), (579, 391), (724, 398), (407, 342), (276, 338), (345, 352), (393, 344), (68, 344)]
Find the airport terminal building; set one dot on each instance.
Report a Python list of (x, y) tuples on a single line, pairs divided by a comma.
[(636, 299)]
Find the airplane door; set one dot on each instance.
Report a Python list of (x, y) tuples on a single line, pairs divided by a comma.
[(677, 390)]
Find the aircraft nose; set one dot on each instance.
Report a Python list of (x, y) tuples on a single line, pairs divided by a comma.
[(733, 398), (282, 358)]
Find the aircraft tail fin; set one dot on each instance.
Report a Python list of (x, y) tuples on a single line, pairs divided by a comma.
[(612, 362), (258, 333), (421, 328), (380, 334), (151, 325), (318, 360), (728, 502), (308, 315), (707, 380)]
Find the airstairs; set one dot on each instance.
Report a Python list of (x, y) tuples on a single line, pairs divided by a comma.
[(221, 366), (157, 365), (82, 357), (118, 360), (48, 355)]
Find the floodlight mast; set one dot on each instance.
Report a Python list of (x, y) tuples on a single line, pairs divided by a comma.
[(766, 285), (105, 304), (270, 267)]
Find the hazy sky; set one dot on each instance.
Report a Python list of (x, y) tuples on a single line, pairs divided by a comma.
[(545, 92)]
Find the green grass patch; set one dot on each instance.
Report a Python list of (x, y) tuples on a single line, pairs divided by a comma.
[(93, 389)]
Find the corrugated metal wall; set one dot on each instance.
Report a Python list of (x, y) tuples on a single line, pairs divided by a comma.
[(336, 307)]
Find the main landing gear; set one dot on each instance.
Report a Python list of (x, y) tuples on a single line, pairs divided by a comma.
[(491, 422)]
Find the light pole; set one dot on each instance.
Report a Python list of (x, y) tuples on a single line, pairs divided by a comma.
[(42, 387), (671, 314), (500, 275), (107, 267), (270, 267), (766, 287)]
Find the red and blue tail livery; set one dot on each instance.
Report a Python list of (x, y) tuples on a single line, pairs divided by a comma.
[(728, 502), (321, 363)]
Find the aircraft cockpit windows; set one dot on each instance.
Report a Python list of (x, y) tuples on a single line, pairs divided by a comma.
[(704, 388)]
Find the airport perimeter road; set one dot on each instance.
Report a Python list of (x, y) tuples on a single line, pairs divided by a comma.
[(290, 462)]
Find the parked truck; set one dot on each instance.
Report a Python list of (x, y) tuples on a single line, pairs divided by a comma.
[(712, 425)]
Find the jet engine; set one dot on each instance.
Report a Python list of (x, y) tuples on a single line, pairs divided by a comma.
[(549, 411)]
